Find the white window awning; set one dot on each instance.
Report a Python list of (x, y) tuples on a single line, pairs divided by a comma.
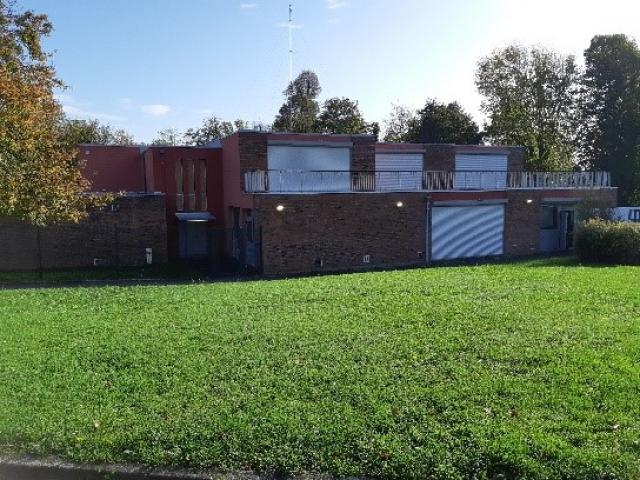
[(194, 217)]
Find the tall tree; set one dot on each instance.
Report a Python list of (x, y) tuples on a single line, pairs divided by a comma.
[(92, 131), (530, 98), (300, 110), (610, 137), (40, 173), (402, 125), (169, 137), (341, 115), (212, 129), (446, 123)]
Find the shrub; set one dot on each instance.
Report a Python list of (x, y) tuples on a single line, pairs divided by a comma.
[(604, 241)]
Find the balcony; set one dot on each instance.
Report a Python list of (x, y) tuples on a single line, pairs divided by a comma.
[(305, 181)]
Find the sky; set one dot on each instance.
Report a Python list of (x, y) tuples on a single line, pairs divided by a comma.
[(147, 65)]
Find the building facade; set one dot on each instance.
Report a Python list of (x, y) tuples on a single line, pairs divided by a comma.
[(283, 203)]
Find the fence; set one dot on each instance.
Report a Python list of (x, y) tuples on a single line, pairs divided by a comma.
[(317, 181)]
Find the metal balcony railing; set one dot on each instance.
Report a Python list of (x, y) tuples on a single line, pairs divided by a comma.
[(315, 181)]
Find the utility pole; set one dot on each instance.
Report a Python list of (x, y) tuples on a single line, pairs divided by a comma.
[(290, 43)]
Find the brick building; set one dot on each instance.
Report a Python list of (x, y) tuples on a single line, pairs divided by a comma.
[(294, 203)]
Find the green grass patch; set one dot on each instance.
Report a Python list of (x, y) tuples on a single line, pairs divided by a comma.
[(529, 370)]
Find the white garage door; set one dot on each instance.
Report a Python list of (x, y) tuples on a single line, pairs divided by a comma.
[(465, 232), (309, 168), (468, 166), (399, 172)]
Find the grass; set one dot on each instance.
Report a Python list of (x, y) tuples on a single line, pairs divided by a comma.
[(174, 271), (529, 370)]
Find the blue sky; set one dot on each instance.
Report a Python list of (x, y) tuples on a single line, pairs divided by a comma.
[(145, 65)]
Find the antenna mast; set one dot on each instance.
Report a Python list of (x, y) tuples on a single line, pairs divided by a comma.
[(290, 43)]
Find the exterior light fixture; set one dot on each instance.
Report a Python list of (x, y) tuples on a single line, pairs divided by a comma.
[(280, 208), (529, 201), (399, 204)]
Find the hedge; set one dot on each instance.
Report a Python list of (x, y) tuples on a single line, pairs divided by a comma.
[(603, 241)]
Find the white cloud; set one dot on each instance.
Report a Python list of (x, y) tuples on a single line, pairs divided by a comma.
[(335, 4), (248, 6), (75, 109), (156, 109)]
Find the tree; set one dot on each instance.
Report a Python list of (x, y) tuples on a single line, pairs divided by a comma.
[(341, 115), (446, 123), (40, 173), (610, 138), (92, 131), (212, 129), (300, 110), (530, 98), (169, 137), (402, 125)]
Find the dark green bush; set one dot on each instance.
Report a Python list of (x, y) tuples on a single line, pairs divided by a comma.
[(604, 241)]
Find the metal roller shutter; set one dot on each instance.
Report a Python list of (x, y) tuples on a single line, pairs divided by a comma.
[(309, 168), (481, 163), (466, 232), (399, 171)]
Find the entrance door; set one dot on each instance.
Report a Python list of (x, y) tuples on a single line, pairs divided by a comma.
[(193, 240), (567, 225)]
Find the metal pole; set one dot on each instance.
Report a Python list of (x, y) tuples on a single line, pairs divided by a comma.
[(290, 43)]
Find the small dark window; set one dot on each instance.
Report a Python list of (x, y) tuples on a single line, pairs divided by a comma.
[(248, 225), (549, 219)]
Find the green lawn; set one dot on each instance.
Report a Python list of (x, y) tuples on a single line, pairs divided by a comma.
[(529, 370)]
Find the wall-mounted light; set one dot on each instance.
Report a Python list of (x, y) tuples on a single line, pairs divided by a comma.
[(280, 208), (399, 204), (529, 201)]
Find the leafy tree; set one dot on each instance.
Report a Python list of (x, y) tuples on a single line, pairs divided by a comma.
[(169, 137), (212, 129), (530, 98), (341, 115), (92, 131), (446, 123), (40, 173), (402, 125), (300, 110), (610, 137)]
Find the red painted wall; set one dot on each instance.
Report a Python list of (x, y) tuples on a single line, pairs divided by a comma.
[(160, 168), (113, 168)]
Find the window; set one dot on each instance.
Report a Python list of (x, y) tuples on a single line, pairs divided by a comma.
[(549, 220), (179, 186), (202, 184), (191, 184), (634, 215), (248, 225)]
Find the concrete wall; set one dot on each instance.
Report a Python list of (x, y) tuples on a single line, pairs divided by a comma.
[(116, 238)]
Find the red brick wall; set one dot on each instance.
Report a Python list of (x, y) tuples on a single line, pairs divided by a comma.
[(439, 157), (252, 152), (340, 229), (522, 222), (522, 219), (516, 159), (117, 238), (363, 153)]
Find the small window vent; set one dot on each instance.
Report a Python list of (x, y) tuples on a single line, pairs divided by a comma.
[(366, 259)]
